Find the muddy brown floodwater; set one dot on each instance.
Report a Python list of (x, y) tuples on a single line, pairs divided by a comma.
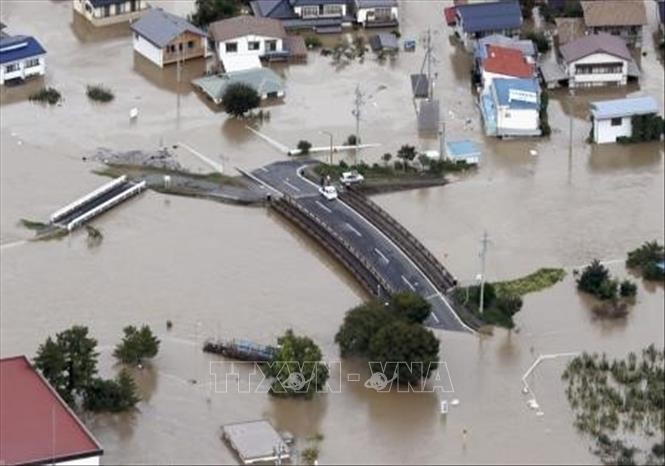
[(217, 270)]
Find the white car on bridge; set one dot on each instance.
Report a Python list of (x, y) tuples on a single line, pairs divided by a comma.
[(329, 192), (351, 177)]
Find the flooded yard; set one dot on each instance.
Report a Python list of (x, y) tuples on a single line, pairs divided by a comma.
[(218, 270)]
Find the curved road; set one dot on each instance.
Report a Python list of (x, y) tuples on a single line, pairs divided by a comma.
[(386, 257)]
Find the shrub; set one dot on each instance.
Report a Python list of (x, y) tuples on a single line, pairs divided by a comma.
[(351, 140), (628, 289), (386, 157), (240, 98), (313, 42), (99, 93), (411, 307), (593, 277), (304, 147), (136, 345), (111, 395), (208, 11), (398, 165), (645, 259), (47, 95)]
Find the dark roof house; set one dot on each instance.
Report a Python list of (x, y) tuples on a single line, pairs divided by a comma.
[(14, 48), (595, 43), (285, 11), (159, 27), (614, 13), (490, 17), (36, 425)]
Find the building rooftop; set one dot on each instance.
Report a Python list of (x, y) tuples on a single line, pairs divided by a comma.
[(36, 425), (506, 61), (239, 26), (614, 13), (595, 43), (255, 441), (606, 109), (523, 45), (569, 29), (376, 3), (264, 80), (276, 9), (100, 3), (517, 93), (160, 27), (462, 149), (383, 41), (494, 16), (14, 48)]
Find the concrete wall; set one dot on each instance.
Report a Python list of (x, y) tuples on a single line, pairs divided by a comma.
[(22, 72), (117, 13), (605, 79), (243, 46), (604, 132), (148, 50)]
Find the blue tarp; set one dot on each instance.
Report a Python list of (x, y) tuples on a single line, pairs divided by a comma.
[(15, 48), (494, 16)]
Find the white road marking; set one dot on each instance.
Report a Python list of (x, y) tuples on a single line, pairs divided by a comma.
[(295, 188), (11, 245), (353, 229), (323, 207), (413, 288), (435, 318), (216, 165), (385, 259), (435, 295), (264, 169)]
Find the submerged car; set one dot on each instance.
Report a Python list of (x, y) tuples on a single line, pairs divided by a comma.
[(351, 177), (329, 192)]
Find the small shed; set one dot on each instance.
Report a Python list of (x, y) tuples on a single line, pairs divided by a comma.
[(383, 41), (612, 119), (463, 151), (255, 441)]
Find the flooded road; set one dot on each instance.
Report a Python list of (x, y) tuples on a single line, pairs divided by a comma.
[(217, 270)]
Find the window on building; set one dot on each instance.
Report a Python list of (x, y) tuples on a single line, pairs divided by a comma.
[(253, 45), (605, 68), (271, 46), (106, 11), (333, 10), (11, 68), (616, 121), (120, 8), (32, 62), (310, 11), (382, 13), (231, 47), (180, 46), (190, 44)]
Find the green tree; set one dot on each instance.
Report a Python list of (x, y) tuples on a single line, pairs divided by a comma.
[(304, 147), (411, 307), (406, 349), (593, 277), (359, 325), (386, 157), (651, 251), (208, 11), (297, 368), (111, 395), (407, 153), (628, 289), (69, 363), (137, 345), (239, 99)]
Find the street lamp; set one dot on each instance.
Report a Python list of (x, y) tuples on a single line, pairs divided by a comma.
[(331, 144)]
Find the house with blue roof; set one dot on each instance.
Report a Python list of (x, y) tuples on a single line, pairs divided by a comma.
[(477, 20), (322, 16), (612, 119), (20, 58), (105, 12), (511, 107)]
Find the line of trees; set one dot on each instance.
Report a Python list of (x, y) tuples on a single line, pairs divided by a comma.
[(645, 260), (69, 363)]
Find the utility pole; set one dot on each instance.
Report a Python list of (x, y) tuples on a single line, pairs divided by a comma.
[(428, 55), (483, 256), (330, 135), (570, 133), (358, 103)]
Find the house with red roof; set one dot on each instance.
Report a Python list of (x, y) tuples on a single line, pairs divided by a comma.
[(504, 62), (36, 425)]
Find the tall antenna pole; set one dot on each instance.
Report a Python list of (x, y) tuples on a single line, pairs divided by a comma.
[(483, 255)]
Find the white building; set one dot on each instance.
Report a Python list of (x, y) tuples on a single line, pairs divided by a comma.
[(31, 409), (376, 13), (164, 38), (511, 107), (242, 41), (596, 60), (613, 118), (21, 57), (105, 12)]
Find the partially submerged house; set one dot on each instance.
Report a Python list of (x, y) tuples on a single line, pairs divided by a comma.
[(502, 62), (164, 38), (105, 12), (597, 60), (511, 107), (36, 425), (376, 13), (322, 16), (477, 20), (20, 58), (266, 82), (625, 19), (612, 119), (384, 41), (241, 42), (462, 151), (525, 46)]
